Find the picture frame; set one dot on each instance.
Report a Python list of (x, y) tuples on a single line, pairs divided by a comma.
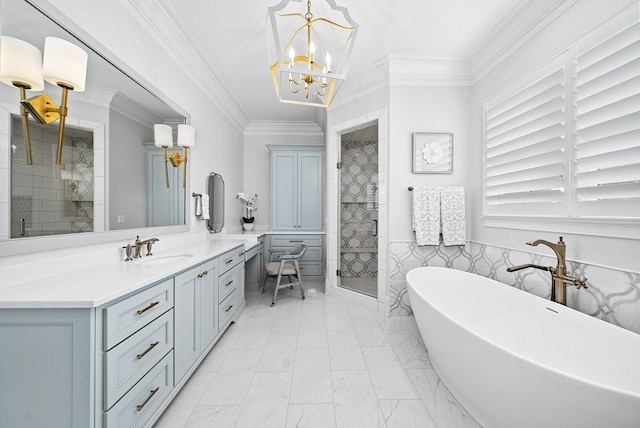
[(432, 153)]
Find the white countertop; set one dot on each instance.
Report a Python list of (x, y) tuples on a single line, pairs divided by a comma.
[(94, 286)]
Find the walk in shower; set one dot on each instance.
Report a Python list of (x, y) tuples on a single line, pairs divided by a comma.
[(359, 211)]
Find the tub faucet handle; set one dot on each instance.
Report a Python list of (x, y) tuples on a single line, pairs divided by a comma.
[(581, 283)]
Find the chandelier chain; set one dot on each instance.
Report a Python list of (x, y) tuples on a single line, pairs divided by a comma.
[(308, 15)]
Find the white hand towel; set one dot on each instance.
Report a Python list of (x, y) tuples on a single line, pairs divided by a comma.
[(453, 215), (198, 208), (426, 215), (205, 207)]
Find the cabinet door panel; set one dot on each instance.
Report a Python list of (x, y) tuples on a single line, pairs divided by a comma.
[(208, 303), (310, 191), (187, 323), (284, 188)]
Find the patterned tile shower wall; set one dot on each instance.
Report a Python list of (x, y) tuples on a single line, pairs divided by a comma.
[(613, 295), (51, 199), (359, 209)]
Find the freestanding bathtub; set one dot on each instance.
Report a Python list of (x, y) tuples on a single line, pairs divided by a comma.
[(516, 360)]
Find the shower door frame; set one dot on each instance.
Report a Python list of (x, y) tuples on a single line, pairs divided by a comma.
[(334, 148)]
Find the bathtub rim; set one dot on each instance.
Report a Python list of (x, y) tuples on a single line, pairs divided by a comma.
[(411, 289)]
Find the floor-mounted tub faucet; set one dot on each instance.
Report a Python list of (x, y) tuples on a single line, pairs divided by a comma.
[(559, 274)]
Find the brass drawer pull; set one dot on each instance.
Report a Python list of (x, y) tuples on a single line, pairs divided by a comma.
[(203, 274), (228, 261), (142, 311), (294, 241), (228, 309), (228, 283), (153, 345), (140, 406)]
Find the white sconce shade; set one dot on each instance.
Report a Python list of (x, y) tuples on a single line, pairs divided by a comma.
[(64, 63), (186, 136), (162, 135), (20, 62)]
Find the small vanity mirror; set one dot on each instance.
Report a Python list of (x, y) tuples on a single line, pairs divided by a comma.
[(215, 189)]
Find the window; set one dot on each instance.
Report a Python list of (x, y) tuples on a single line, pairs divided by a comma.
[(564, 142)]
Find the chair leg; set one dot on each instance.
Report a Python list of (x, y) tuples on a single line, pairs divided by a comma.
[(290, 281), (299, 279), (275, 292)]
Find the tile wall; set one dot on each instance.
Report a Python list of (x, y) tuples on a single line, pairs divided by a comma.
[(613, 295)]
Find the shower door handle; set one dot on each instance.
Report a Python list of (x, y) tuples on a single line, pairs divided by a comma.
[(375, 228)]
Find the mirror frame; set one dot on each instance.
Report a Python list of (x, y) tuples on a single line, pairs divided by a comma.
[(212, 204), (14, 247)]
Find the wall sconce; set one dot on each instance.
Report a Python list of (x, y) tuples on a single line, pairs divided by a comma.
[(64, 64), (163, 138)]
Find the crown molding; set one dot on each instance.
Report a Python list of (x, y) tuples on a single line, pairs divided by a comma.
[(293, 128), (161, 21), (482, 61), (428, 71)]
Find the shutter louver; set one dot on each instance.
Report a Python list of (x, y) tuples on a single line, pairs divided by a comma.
[(608, 124), (525, 139)]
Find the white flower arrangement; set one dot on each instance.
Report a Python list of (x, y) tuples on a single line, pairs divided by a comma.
[(249, 205)]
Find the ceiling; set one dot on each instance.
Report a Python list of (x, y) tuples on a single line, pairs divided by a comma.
[(230, 36)]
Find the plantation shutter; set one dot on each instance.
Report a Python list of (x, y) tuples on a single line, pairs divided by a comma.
[(525, 139), (608, 126)]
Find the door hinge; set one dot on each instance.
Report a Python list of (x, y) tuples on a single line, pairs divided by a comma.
[(338, 272), (339, 165)]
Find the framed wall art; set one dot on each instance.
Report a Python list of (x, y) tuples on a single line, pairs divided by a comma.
[(432, 153)]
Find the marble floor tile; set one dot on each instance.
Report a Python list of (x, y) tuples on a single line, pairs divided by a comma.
[(231, 383), (214, 416), (311, 377), (267, 401), (311, 416), (389, 378), (355, 401), (310, 338), (411, 353), (344, 351), (444, 408), (406, 414), (279, 352), (369, 332)]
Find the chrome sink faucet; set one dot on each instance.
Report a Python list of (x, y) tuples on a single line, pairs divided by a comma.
[(559, 275), (139, 244)]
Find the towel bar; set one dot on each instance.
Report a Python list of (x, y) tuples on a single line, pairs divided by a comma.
[(411, 188), (196, 195)]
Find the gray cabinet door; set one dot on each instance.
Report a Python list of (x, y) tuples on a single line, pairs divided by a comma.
[(297, 190), (187, 322), (208, 303)]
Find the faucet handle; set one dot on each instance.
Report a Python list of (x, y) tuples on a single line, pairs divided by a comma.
[(128, 249), (581, 283)]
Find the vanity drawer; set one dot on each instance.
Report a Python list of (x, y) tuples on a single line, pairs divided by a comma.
[(228, 282), (227, 308), (289, 241), (310, 269), (228, 260), (137, 406), (252, 252), (311, 255), (130, 360), (126, 317)]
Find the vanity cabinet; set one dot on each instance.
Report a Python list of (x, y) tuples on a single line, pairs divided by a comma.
[(254, 264), (121, 363), (297, 187)]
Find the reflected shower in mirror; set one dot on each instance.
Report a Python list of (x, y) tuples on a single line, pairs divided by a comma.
[(112, 176), (215, 190)]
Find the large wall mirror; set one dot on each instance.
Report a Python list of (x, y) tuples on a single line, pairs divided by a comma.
[(112, 176)]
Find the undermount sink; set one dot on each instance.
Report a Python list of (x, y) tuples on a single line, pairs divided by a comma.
[(163, 259)]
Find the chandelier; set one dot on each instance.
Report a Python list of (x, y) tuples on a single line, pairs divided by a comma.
[(310, 55)]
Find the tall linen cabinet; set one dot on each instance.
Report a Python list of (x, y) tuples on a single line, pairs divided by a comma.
[(297, 187)]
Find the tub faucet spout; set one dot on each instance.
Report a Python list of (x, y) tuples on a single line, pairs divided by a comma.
[(559, 275)]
